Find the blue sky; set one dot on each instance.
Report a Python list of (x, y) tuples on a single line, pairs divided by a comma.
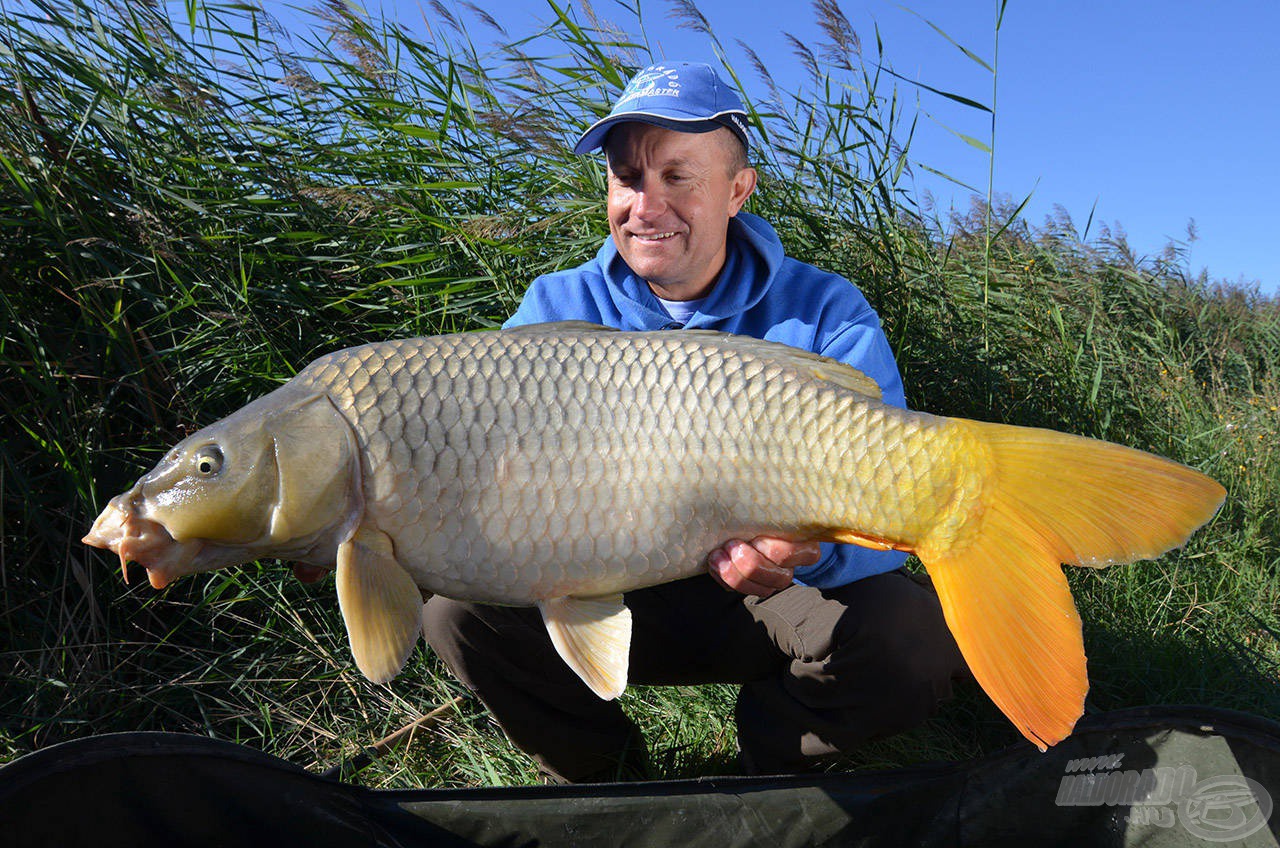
[(1158, 112)]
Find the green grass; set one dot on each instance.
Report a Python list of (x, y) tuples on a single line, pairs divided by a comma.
[(188, 214)]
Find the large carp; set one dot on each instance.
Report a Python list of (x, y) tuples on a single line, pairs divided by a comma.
[(562, 465)]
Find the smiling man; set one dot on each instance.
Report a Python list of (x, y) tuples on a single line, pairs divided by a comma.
[(833, 645), (671, 197)]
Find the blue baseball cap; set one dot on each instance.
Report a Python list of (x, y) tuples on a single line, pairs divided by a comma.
[(681, 96)]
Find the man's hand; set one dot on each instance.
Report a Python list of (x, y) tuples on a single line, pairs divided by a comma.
[(760, 567)]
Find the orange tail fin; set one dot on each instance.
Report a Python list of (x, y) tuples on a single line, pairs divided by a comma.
[(1050, 498)]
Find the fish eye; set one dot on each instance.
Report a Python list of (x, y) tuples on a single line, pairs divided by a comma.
[(209, 460)]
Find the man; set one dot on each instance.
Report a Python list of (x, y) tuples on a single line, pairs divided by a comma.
[(834, 644)]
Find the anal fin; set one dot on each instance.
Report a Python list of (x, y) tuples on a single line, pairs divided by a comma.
[(593, 636), (381, 605), (864, 540)]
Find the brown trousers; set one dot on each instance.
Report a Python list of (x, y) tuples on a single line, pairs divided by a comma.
[(822, 671)]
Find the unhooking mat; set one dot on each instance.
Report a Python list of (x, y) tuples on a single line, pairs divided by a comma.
[(1172, 776)]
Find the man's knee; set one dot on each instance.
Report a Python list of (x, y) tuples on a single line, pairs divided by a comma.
[(902, 632), (444, 623), (896, 610), (459, 630)]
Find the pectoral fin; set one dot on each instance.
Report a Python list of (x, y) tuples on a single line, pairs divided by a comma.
[(592, 635), (380, 603)]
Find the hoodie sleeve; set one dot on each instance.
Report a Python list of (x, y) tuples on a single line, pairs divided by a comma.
[(538, 305), (575, 294)]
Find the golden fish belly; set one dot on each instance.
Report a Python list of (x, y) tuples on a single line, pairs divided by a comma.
[(510, 469)]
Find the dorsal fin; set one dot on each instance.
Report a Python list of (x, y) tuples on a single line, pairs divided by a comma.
[(835, 371), (819, 366), (822, 367), (559, 327)]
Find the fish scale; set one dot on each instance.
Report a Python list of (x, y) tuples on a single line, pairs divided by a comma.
[(559, 495), (562, 465)]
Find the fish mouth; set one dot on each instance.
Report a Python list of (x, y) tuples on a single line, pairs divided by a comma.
[(134, 538)]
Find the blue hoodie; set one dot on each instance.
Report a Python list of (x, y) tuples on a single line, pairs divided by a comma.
[(762, 293)]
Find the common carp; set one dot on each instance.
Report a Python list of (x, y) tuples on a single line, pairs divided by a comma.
[(561, 465)]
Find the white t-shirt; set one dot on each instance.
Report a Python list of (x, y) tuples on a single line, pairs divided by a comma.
[(681, 310)]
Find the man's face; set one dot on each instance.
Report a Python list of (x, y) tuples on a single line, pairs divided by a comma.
[(671, 195)]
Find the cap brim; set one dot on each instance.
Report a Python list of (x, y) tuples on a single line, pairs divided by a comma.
[(593, 138)]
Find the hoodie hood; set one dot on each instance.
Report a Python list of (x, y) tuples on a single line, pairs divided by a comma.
[(753, 256)]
